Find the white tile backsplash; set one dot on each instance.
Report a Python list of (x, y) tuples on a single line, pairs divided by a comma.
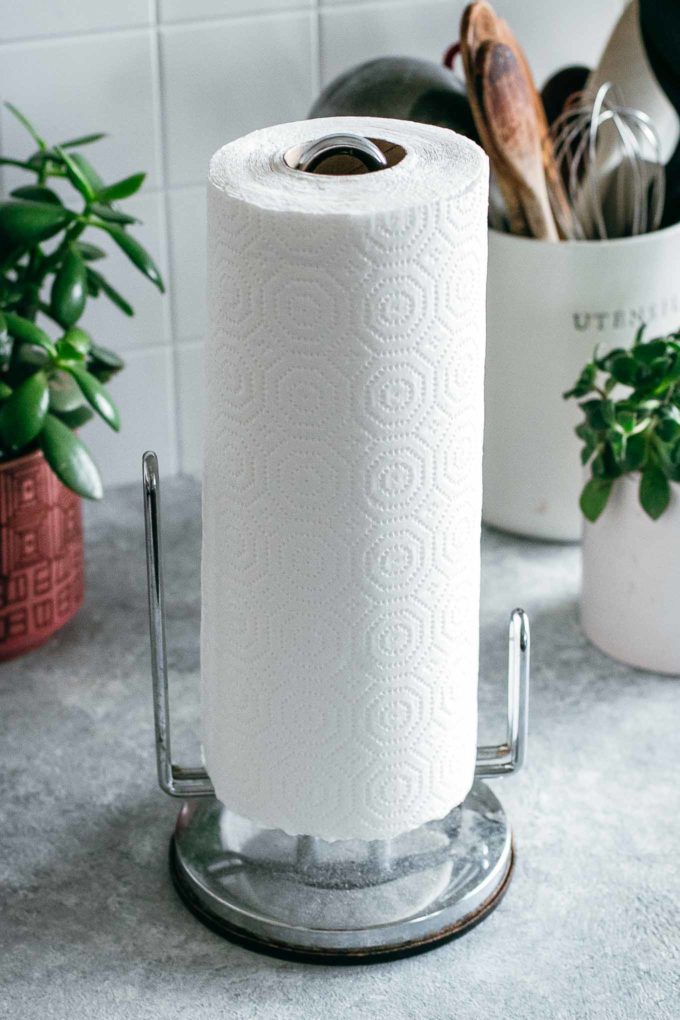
[(27, 18), (189, 367), (350, 35), (78, 85), (182, 10), (171, 81), (188, 244), (221, 80)]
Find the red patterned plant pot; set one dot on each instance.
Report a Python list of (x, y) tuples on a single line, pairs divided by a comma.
[(41, 554)]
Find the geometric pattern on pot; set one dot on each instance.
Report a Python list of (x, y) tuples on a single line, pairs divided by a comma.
[(41, 554)]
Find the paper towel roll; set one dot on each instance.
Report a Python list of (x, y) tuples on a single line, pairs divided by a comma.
[(342, 481)]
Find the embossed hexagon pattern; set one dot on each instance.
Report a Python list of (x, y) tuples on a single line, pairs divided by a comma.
[(396, 479), (343, 490), (396, 637), (393, 394)]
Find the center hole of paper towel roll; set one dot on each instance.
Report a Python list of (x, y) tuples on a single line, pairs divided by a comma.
[(343, 165)]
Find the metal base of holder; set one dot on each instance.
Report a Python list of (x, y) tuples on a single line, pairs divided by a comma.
[(302, 898)]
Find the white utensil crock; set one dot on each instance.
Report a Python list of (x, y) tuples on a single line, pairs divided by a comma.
[(630, 593), (548, 305)]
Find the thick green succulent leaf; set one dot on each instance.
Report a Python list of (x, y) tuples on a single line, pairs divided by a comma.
[(96, 395), (67, 354), (137, 254), (73, 143), (87, 170), (70, 459), (69, 290), (26, 223), (121, 189), (77, 417), (106, 357), (27, 331), (75, 174), (23, 414), (65, 393), (37, 193), (90, 252), (103, 363), (30, 356), (79, 339), (100, 283), (111, 215), (40, 142)]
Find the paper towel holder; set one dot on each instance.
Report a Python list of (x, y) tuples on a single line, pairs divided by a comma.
[(349, 154), (352, 901), (312, 154)]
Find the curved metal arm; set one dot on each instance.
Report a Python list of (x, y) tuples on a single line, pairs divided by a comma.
[(345, 144), (506, 758), (176, 780), (193, 781)]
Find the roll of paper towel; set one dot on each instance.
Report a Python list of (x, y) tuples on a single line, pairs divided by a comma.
[(342, 480)]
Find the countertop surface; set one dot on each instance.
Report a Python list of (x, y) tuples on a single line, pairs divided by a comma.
[(90, 924)]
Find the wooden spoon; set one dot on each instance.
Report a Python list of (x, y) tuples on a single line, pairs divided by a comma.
[(510, 114), (479, 25)]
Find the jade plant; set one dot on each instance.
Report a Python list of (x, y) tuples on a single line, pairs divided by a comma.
[(631, 421), (52, 373)]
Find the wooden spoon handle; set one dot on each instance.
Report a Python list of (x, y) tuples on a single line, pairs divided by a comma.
[(479, 24), (509, 110), (558, 197)]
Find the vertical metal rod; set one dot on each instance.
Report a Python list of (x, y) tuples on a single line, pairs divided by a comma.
[(503, 759), (519, 652), (176, 780), (307, 851), (159, 664), (380, 854)]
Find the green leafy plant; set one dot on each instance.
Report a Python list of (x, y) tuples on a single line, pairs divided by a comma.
[(53, 375), (631, 421)]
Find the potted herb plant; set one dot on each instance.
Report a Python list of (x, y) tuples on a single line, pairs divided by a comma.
[(52, 376), (630, 594)]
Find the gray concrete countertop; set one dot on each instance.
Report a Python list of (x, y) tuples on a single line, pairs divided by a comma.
[(91, 927)]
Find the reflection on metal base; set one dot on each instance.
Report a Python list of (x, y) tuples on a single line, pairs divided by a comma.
[(352, 901)]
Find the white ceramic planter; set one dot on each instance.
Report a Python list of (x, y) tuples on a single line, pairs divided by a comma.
[(630, 592), (548, 305)]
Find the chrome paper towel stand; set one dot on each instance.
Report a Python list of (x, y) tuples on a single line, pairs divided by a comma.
[(351, 901)]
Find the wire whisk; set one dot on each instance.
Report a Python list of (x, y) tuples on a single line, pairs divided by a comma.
[(609, 156)]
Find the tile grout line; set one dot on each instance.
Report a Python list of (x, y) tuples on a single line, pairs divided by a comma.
[(162, 155), (86, 33), (154, 24), (244, 15)]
